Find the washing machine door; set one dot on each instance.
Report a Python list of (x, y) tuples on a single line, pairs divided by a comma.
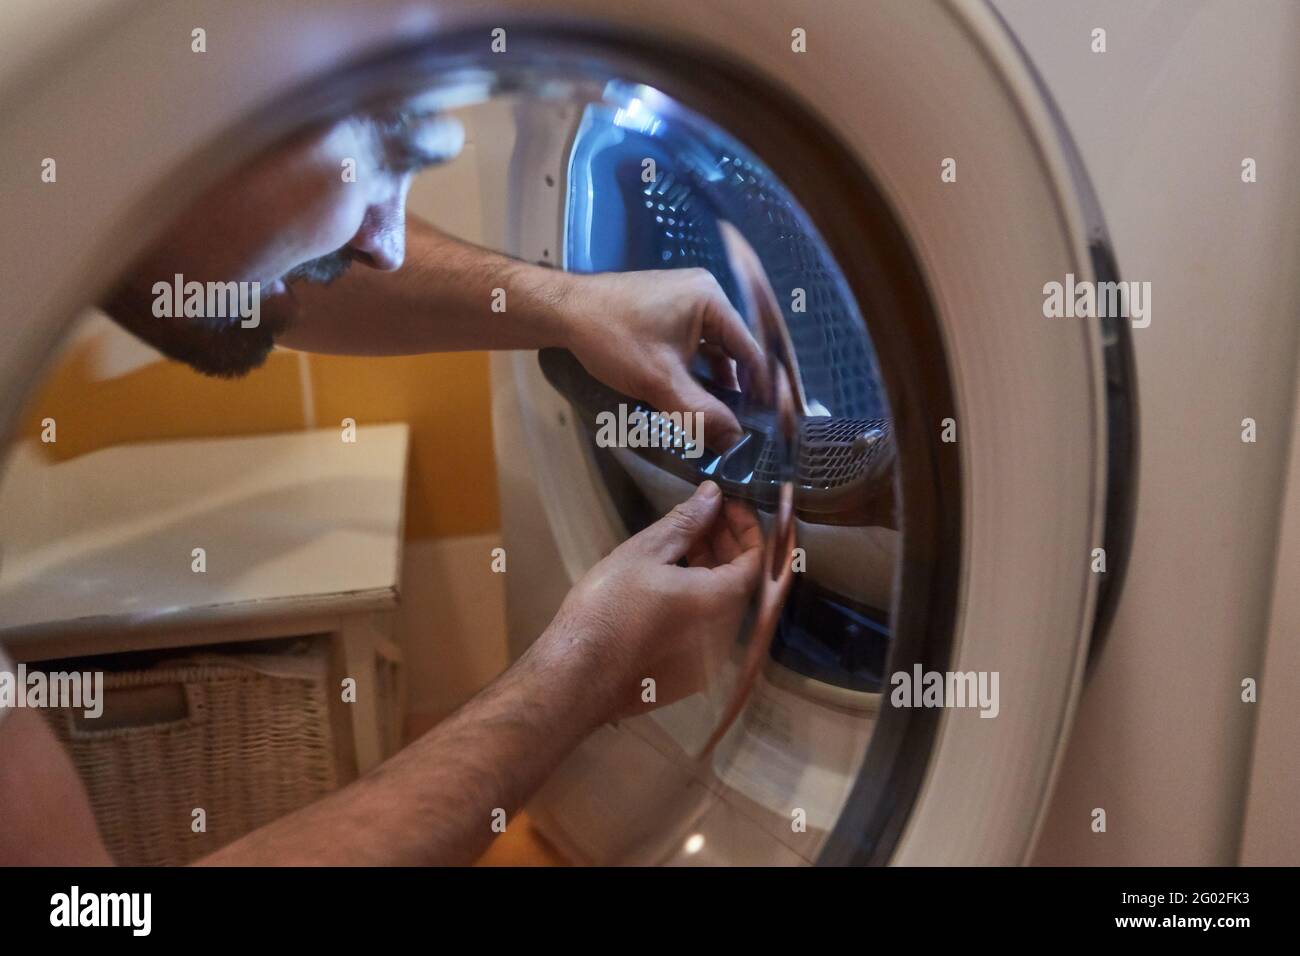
[(900, 166)]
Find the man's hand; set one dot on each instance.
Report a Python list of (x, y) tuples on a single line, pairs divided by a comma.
[(638, 331), (638, 614)]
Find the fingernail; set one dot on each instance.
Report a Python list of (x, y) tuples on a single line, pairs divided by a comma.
[(709, 489)]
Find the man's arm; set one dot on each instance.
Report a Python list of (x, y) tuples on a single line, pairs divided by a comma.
[(440, 300), (636, 614), (635, 331), (45, 816), (433, 802)]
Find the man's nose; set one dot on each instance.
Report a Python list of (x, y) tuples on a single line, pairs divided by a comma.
[(380, 242)]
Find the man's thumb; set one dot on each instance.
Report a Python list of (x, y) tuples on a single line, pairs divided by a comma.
[(671, 537)]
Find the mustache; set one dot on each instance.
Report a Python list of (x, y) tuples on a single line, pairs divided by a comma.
[(322, 270)]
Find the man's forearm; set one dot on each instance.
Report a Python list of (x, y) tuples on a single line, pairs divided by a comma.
[(435, 801), (440, 300)]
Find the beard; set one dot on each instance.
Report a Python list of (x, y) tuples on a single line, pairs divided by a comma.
[(322, 270), (218, 347), (222, 348)]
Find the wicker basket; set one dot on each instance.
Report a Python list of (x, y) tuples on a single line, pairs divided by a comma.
[(246, 738)]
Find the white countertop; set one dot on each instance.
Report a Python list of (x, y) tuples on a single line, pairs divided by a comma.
[(296, 522)]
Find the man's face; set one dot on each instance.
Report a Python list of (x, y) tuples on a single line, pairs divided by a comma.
[(329, 199)]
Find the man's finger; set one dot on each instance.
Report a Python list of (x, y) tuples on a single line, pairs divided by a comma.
[(724, 327), (675, 535), (744, 525), (701, 554), (741, 573), (721, 429), (731, 534), (721, 365), (729, 580)]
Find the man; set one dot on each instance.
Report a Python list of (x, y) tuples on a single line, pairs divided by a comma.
[(320, 223)]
